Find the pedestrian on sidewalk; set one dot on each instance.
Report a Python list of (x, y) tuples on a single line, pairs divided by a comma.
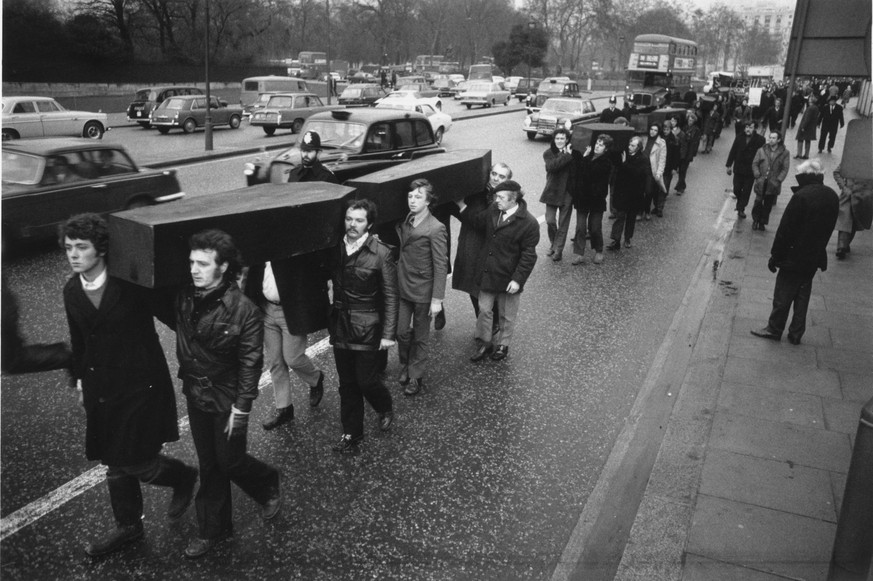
[(692, 144), (219, 345), (856, 211), (739, 164), (799, 249), (628, 192), (770, 168), (594, 171), (421, 280), (806, 128), (831, 120), (127, 391), (559, 160)]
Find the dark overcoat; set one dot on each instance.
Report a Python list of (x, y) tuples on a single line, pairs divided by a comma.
[(630, 183), (470, 242), (800, 244), (510, 249), (130, 407), (592, 183), (558, 176)]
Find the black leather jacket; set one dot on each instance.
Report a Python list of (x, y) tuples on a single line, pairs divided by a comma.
[(365, 296), (219, 345)]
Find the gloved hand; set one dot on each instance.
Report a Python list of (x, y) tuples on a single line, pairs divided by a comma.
[(237, 421), (771, 264)]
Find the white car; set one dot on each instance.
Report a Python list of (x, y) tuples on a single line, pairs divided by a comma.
[(401, 95), (485, 94), (461, 88), (45, 117), (439, 121)]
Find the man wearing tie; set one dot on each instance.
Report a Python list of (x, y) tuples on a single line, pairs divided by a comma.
[(831, 120), (505, 262)]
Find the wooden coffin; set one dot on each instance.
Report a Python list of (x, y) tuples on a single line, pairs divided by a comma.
[(149, 246), (454, 175), (585, 135), (643, 121)]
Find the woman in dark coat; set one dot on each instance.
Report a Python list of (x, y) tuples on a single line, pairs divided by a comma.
[(589, 197), (556, 195), (628, 192), (127, 392)]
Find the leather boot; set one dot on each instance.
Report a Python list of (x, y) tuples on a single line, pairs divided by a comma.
[(115, 540)]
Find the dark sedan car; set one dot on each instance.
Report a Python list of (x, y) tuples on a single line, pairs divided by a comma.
[(45, 181), (189, 113), (361, 95), (558, 112), (355, 142), (146, 100)]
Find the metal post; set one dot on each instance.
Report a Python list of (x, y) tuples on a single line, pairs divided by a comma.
[(207, 136), (853, 544), (329, 76)]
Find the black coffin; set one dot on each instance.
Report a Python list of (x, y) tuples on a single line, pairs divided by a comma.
[(643, 121), (149, 246), (585, 135), (454, 175)]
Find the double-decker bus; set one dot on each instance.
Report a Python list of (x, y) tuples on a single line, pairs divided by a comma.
[(427, 62), (313, 64), (658, 62)]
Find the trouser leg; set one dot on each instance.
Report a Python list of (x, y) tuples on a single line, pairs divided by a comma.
[(372, 388), (630, 225), (256, 478), (801, 305), (551, 224), (565, 214), (767, 203), (273, 355), (213, 500), (683, 171), (419, 339), (404, 333), (595, 227), (581, 232), (508, 314), (743, 190), (783, 295), (351, 398), (485, 320), (621, 216), (125, 496), (475, 301), (167, 472)]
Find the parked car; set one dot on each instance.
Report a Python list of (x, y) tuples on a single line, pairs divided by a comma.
[(461, 89), (485, 94), (189, 113), (289, 111), (45, 117), (440, 122), (526, 87), (405, 95), (552, 87), (45, 181), (147, 100), (354, 142), (424, 89), (559, 112), (445, 86), (361, 95), (363, 77)]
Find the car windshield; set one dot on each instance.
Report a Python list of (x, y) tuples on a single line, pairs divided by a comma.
[(175, 103), (561, 106), (337, 134), (280, 102), (22, 169), (397, 105), (351, 93), (479, 87)]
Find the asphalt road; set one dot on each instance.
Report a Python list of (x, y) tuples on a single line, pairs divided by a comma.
[(483, 477)]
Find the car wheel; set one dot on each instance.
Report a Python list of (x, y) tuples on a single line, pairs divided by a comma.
[(297, 126), (93, 130), (235, 121), (163, 130), (531, 135), (189, 126), (469, 106), (506, 103), (438, 136), (9, 135), (269, 130)]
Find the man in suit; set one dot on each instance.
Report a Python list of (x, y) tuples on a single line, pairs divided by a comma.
[(831, 120), (122, 374), (505, 262), (421, 280), (739, 164)]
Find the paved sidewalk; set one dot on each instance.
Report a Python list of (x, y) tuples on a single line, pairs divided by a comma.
[(750, 476)]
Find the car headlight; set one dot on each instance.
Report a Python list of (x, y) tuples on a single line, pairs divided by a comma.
[(527, 122), (249, 168)]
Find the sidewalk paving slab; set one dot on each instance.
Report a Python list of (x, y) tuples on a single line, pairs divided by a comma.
[(772, 404), (779, 375)]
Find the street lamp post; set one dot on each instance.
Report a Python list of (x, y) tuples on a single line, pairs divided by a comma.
[(329, 75), (207, 136), (531, 26)]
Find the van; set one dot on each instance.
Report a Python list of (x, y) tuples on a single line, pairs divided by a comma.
[(254, 86)]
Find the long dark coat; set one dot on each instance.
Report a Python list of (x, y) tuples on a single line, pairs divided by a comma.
[(130, 407), (558, 176), (592, 183), (806, 127), (630, 183), (470, 242), (510, 250), (801, 240)]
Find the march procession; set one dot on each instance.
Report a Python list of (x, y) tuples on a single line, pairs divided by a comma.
[(375, 363)]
